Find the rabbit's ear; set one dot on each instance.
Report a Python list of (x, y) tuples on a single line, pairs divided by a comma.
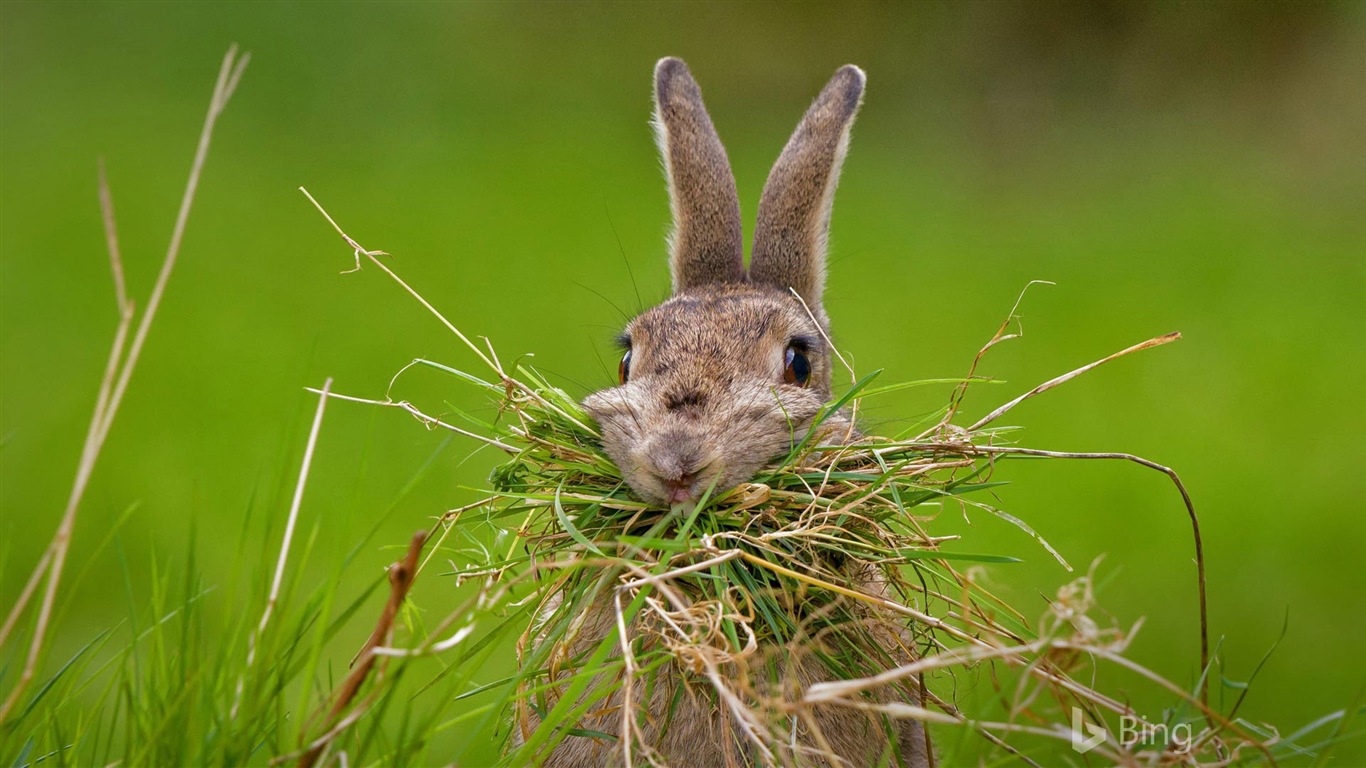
[(706, 245), (794, 212)]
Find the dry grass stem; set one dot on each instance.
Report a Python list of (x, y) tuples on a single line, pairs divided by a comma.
[(274, 596), (111, 238), (373, 256), (118, 372), (1051, 383), (430, 421)]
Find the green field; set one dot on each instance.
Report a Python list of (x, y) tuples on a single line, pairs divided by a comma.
[(1191, 167)]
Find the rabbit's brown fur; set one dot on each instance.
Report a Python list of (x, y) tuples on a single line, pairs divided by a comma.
[(706, 404)]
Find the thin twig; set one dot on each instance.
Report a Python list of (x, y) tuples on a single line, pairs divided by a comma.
[(119, 371), (400, 581), (961, 391), (430, 421), (290, 521), (1051, 383), (324, 741), (373, 256)]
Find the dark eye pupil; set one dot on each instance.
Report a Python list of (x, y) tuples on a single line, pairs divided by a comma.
[(624, 369), (796, 368)]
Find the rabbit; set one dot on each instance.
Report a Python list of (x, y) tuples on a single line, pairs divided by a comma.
[(717, 381)]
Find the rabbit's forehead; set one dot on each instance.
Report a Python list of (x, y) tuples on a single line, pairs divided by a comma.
[(727, 319)]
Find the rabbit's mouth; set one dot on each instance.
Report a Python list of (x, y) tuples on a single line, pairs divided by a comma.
[(680, 490), (670, 458), (690, 486), (668, 482)]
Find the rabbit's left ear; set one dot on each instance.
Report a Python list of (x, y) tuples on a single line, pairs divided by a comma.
[(794, 212)]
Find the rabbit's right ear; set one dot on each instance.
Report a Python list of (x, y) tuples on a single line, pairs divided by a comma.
[(706, 245), (794, 213)]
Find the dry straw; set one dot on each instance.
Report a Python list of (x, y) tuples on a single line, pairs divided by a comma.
[(719, 586)]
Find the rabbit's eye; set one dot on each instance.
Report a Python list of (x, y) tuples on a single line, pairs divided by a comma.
[(796, 368), (624, 369)]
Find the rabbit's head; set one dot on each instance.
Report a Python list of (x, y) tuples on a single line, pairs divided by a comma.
[(733, 368)]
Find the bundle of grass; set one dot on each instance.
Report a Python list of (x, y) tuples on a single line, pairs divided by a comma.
[(756, 599), (823, 557), (737, 588)]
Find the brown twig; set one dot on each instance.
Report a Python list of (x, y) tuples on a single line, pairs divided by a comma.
[(401, 576), (118, 372)]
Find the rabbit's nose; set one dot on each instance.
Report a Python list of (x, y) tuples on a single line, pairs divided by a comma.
[(677, 464)]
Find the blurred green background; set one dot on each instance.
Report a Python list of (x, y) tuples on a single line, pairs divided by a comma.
[(1181, 166)]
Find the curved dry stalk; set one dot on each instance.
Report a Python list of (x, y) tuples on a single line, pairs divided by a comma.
[(961, 390), (1190, 512)]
